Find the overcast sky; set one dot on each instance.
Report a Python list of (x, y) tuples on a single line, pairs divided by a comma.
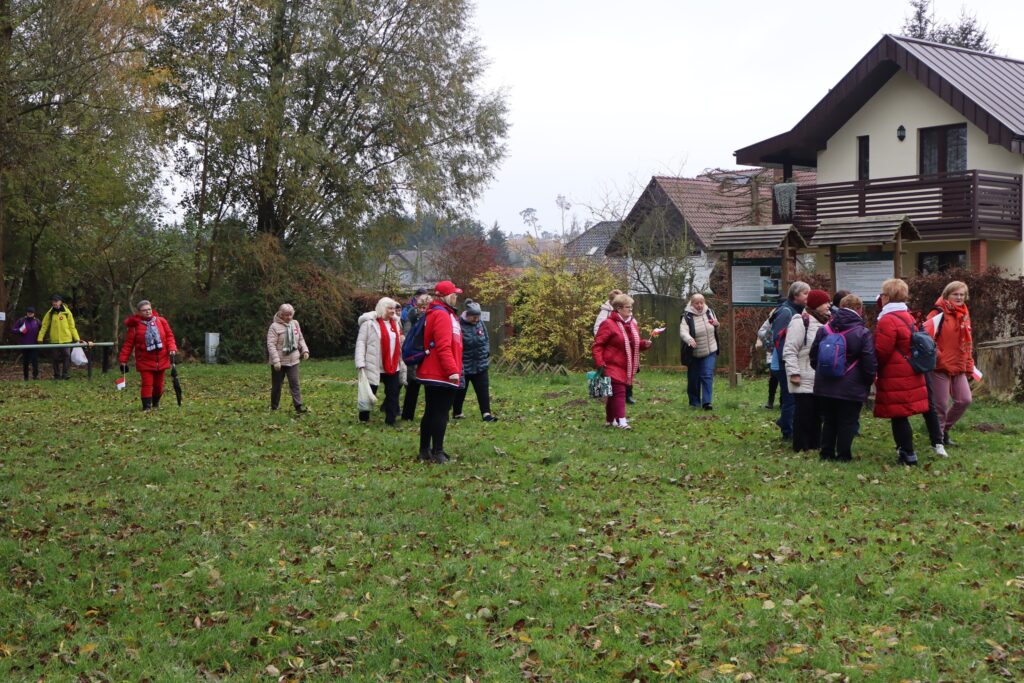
[(603, 94)]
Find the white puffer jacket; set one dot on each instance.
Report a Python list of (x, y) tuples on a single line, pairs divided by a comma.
[(368, 348), (796, 353)]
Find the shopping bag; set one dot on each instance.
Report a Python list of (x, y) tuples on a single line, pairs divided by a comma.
[(598, 384), (78, 356), (364, 394)]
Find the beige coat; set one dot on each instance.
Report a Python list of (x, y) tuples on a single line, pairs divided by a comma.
[(275, 343), (368, 349), (705, 332), (796, 353)]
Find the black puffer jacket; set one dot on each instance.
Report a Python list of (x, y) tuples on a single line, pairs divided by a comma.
[(476, 347)]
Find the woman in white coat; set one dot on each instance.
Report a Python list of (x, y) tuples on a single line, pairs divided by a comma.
[(796, 357), (379, 355)]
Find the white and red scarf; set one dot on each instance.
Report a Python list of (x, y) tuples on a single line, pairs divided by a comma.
[(631, 342)]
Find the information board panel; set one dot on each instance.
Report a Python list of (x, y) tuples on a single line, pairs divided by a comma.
[(863, 273), (756, 281)]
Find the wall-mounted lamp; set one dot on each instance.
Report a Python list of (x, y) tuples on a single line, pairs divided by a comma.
[(901, 133)]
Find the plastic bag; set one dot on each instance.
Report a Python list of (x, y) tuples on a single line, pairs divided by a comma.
[(78, 357), (365, 397), (599, 385)]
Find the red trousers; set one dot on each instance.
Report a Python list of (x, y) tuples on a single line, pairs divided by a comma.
[(615, 405), (152, 382)]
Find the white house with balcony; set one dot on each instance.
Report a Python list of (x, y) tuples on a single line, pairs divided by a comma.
[(930, 131)]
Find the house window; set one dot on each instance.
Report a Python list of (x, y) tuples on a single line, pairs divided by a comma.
[(943, 149), (862, 158), (929, 262)]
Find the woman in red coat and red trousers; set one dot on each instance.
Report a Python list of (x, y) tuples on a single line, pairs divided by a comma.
[(150, 336), (440, 372), (616, 352), (900, 390)]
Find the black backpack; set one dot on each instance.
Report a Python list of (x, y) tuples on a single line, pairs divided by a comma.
[(413, 351), (922, 350)]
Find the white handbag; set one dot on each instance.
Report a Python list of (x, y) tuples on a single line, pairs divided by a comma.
[(78, 357)]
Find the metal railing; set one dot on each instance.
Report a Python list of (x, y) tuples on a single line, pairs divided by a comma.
[(87, 347)]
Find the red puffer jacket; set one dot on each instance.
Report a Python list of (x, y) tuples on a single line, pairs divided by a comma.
[(610, 348), (147, 361), (901, 392), (444, 332)]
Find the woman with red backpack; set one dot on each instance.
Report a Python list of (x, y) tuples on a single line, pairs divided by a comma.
[(900, 389), (440, 372)]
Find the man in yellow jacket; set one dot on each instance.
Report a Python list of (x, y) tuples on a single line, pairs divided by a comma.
[(59, 325)]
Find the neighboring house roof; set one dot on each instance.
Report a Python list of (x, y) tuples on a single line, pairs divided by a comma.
[(593, 241), (988, 90), (704, 204)]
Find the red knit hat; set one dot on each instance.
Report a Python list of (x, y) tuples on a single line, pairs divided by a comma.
[(817, 297)]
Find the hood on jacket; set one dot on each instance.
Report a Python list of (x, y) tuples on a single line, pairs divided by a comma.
[(277, 318), (844, 319), (607, 307), (691, 309), (370, 315)]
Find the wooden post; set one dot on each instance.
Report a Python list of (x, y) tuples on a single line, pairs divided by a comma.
[(897, 258), (832, 251), (732, 321)]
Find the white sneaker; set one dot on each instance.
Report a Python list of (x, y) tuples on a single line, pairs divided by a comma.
[(622, 424), (940, 450)]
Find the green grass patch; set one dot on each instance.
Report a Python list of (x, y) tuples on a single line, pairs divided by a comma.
[(223, 541)]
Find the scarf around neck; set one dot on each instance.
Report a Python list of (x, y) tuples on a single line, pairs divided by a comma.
[(892, 307), (289, 337), (959, 313), (153, 339), (389, 356), (631, 340)]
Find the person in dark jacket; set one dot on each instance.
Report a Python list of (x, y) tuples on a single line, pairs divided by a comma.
[(793, 305), (841, 398), (412, 387), (476, 357), (26, 330)]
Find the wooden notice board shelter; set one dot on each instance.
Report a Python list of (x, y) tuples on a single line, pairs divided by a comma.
[(783, 238), (865, 231)]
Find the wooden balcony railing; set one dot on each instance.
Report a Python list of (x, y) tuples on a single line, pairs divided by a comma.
[(962, 205)]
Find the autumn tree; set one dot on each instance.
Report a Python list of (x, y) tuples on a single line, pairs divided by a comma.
[(463, 259)]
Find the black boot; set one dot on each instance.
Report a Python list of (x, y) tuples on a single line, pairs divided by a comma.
[(300, 409), (424, 455), (147, 403), (156, 400), (946, 441), (906, 458), (439, 457)]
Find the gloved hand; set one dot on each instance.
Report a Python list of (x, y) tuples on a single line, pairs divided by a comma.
[(277, 367), (305, 355), (124, 368)]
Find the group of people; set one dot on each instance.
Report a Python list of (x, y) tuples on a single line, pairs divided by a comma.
[(825, 361), (57, 326)]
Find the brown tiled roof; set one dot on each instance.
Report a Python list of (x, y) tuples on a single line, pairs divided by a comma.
[(986, 89), (708, 202)]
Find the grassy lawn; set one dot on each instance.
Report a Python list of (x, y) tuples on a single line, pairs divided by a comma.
[(220, 541)]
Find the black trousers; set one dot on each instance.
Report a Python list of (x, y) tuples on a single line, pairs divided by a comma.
[(481, 386), (806, 423), (438, 400), (61, 363), (773, 385), (903, 434), (839, 425), (30, 356), (392, 386), (931, 418), (412, 393)]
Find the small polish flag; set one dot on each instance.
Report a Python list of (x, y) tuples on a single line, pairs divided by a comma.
[(977, 374), (119, 383)]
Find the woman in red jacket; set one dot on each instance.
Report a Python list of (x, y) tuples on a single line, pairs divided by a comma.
[(151, 338), (900, 390), (616, 352), (950, 324), (440, 373)]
